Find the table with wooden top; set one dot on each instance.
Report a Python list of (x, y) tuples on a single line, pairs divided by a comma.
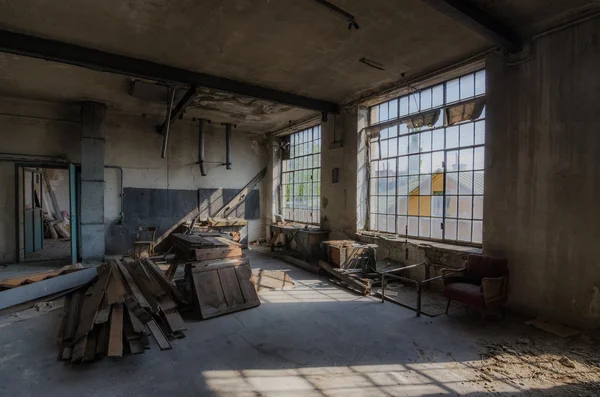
[(307, 239)]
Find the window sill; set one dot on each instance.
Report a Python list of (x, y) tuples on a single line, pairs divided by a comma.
[(422, 243)]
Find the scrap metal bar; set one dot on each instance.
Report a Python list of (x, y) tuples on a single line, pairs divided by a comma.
[(38, 47), (478, 21), (201, 143), (174, 113), (168, 126), (228, 146)]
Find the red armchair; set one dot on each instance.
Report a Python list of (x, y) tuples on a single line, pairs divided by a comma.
[(482, 283)]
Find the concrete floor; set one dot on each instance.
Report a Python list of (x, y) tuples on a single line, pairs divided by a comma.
[(53, 249), (313, 340)]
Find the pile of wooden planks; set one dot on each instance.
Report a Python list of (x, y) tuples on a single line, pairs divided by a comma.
[(114, 315), (205, 246)]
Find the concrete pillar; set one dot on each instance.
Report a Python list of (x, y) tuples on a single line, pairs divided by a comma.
[(93, 116), (343, 202)]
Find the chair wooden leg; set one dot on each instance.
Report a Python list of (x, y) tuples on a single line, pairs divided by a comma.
[(448, 306)]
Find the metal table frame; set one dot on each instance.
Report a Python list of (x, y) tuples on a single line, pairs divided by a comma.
[(418, 284)]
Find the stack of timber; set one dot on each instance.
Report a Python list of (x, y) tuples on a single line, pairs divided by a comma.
[(205, 246), (115, 314)]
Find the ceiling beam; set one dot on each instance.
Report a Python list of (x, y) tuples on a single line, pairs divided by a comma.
[(474, 18), (38, 47)]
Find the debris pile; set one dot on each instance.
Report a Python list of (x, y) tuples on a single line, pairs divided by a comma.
[(114, 315)]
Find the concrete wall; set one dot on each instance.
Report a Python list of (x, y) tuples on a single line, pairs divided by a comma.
[(37, 128), (542, 186)]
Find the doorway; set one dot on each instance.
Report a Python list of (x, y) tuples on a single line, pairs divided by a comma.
[(46, 213)]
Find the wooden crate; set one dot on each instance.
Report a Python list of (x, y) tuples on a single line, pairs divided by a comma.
[(222, 286)]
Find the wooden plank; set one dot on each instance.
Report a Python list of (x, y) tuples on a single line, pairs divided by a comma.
[(218, 253), (231, 287), (244, 276), (229, 242), (158, 335), (74, 313), (136, 346), (214, 241), (103, 313), (240, 196), (137, 325), (115, 340), (102, 339), (79, 349), (133, 287), (115, 292), (209, 293), (174, 320), (172, 270), (63, 324), (352, 282), (164, 282), (90, 348), (214, 264), (91, 304)]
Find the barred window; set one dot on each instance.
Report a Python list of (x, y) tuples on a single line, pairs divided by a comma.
[(301, 177), (427, 160)]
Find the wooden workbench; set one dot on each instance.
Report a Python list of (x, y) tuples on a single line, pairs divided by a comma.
[(307, 240)]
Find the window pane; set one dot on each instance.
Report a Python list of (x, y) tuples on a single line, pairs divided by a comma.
[(401, 224), (478, 182), (451, 205), (437, 205), (424, 227), (403, 165), (391, 167), (452, 183), (403, 145), (425, 205), (393, 147), (391, 205), (466, 160), (413, 164), (413, 226), (426, 141), (373, 205), (425, 166), (414, 103), (465, 206), (391, 185), (390, 223), (480, 82), (413, 184), (413, 205), (438, 95), (480, 132), (438, 139), (402, 129), (451, 137), (450, 229), (404, 106), (402, 185), (478, 158), (478, 207), (383, 112), (467, 86), (436, 228), (437, 162), (413, 143), (466, 134), (381, 204), (426, 99), (381, 223), (393, 109), (384, 149), (465, 183), (372, 222), (425, 185), (477, 232), (384, 134), (452, 91), (402, 205), (464, 230)]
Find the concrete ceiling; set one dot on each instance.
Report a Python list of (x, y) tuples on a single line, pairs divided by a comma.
[(294, 46)]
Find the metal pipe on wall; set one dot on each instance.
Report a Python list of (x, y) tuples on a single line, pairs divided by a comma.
[(201, 147), (228, 146)]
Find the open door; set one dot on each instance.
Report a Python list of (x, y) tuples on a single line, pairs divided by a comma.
[(74, 214)]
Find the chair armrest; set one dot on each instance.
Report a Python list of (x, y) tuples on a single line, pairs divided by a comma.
[(447, 273), (493, 288)]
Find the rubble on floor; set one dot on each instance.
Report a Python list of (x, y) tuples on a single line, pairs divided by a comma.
[(541, 364), (115, 314)]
